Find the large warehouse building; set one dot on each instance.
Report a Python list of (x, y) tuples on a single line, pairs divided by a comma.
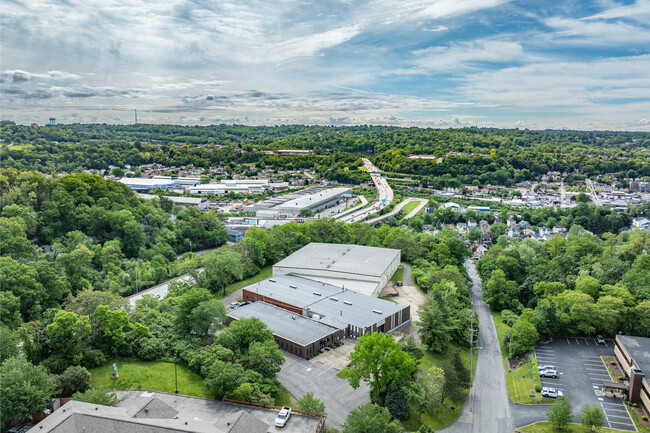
[(352, 313), (290, 205), (365, 270)]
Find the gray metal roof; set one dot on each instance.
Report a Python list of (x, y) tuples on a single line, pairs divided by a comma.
[(337, 307), (297, 291), (351, 259), (283, 323)]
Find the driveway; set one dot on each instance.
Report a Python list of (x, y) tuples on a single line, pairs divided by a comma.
[(582, 372), (409, 295), (487, 408), (299, 376), (337, 358)]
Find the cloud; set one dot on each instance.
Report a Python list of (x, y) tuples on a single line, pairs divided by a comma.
[(17, 76), (596, 33), (467, 54)]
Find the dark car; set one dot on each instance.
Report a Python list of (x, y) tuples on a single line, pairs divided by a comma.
[(399, 283)]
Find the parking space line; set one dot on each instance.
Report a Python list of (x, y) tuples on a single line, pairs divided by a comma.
[(586, 342), (577, 342)]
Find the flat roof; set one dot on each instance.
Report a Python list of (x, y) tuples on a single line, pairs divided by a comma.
[(283, 323), (639, 349), (180, 200), (337, 307), (314, 199), (141, 181), (351, 259), (276, 201)]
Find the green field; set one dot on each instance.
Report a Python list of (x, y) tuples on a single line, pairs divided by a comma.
[(398, 275), (152, 376), (546, 427), (285, 398), (264, 273), (446, 415), (409, 207)]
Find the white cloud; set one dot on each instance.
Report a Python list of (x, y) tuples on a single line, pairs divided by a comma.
[(465, 54)]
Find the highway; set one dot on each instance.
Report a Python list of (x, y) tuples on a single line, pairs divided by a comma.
[(423, 202), (386, 195)]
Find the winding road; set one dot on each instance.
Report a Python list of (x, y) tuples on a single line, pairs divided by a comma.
[(487, 408)]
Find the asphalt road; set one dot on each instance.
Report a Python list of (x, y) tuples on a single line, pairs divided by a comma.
[(487, 408)]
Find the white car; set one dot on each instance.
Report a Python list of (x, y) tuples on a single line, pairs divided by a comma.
[(283, 416), (546, 367), (551, 393)]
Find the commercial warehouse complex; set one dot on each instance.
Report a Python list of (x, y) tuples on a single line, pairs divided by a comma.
[(239, 186), (633, 356), (294, 333), (293, 304), (290, 205), (363, 269)]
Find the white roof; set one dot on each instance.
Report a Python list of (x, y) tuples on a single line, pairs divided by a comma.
[(350, 259), (315, 199), (141, 181)]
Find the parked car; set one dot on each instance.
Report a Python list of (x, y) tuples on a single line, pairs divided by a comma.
[(551, 393), (600, 339), (548, 373), (546, 367), (283, 416)]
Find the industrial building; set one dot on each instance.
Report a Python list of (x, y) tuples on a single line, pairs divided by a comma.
[(633, 356), (363, 269), (294, 333), (201, 203), (145, 184), (352, 313), (290, 205), (241, 186)]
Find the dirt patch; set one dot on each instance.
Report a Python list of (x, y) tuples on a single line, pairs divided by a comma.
[(515, 363)]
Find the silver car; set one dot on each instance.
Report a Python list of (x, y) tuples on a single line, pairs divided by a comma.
[(548, 373)]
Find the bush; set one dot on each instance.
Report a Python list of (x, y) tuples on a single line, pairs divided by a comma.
[(97, 396), (621, 378), (151, 349), (644, 418), (536, 377), (612, 362), (508, 317), (73, 379), (397, 402)]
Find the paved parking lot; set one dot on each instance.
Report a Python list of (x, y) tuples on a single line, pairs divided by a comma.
[(581, 375), (299, 376)]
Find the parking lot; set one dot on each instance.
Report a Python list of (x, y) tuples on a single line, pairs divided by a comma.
[(581, 375), (299, 376)]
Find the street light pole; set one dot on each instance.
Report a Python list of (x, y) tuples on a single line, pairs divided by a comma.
[(175, 376)]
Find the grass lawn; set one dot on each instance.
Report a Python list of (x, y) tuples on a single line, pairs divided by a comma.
[(262, 275), (153, 376), (386, 298), (546, 427), (344, 374), (409, 207), (446, 415), (519, 381), (398, 275), (285, 398)]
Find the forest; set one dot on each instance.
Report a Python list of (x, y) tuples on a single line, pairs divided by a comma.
[(582, 285), (468, 156)]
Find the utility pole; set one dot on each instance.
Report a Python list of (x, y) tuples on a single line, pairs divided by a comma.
[(137, 289), (135, 111), (471, 344), (175, 376)]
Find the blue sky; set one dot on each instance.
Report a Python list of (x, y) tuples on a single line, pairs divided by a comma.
[(439, 63)]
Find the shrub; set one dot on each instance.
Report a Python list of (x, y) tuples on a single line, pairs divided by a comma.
[(621, 378), (612, 362), (536, 378), (644, 418), (635, 405), (508, 317)]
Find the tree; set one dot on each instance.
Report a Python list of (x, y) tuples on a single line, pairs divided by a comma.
[(589, 285), (501, 293), (306, 213), (220, 268), (474, 234), (410, 346), (427, 388), (264, 357), (397, 402), (97, 396), (309, 403), (67, 336), (379, 360), (111, 326), (241, 333), (371, 418), (452, 388), (592, 417), (198, 313), (8, 343), (461, 369), (26, 389), (434, 323), (521, 338), (223, 377), (582, 198), (73, 379), (560, 413)]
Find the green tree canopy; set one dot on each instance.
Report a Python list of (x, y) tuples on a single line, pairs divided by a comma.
[(26, 389)]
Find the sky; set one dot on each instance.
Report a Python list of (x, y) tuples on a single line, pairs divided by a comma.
[(576, 64)]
